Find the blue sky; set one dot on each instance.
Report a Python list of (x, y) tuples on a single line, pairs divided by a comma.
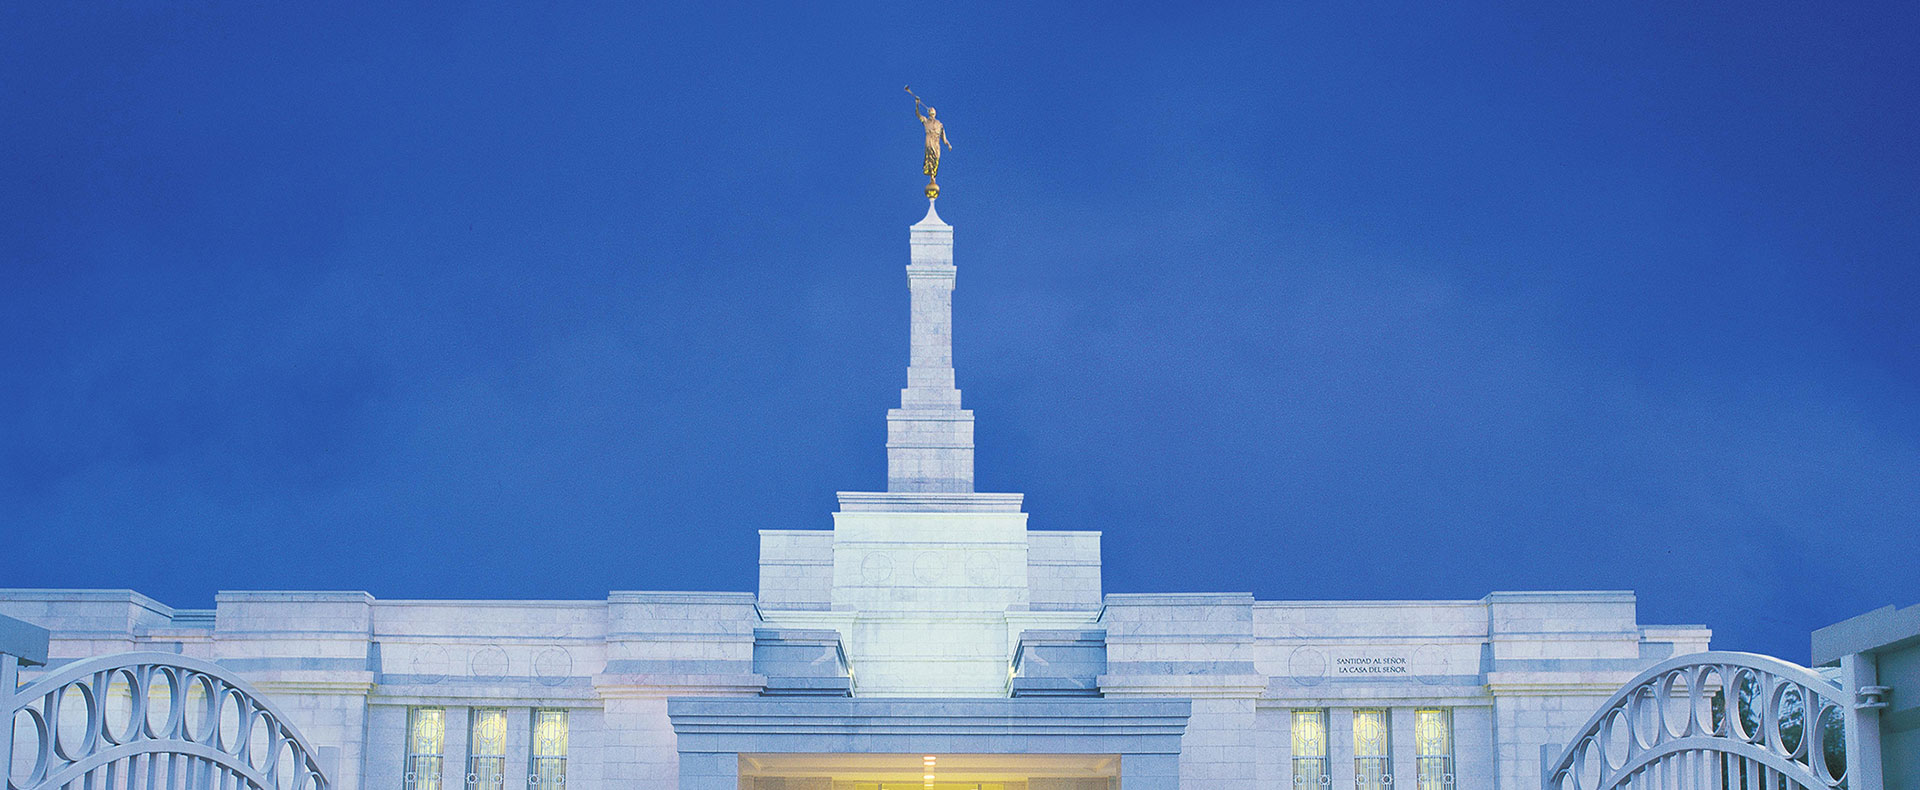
[(539, 300)]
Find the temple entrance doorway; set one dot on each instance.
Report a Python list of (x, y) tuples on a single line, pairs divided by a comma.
[(929, 771)]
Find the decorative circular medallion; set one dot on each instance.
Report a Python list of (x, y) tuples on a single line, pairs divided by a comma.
[(553, 666), (929, 567), (488, 663), (876, 568), (981, 569), (1430, 665), (1308, 666), (429, 664)]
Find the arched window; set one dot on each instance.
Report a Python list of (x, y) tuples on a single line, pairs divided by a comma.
[(1310, 749), (426, 743), (487, 749), (1433, 748), (1372, 763), (549, 754)]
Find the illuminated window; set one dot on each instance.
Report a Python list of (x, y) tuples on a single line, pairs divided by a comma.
[(549, 751), (1310, 748), (426, 742), (487, 749), (1433, 748), (1372, 767)]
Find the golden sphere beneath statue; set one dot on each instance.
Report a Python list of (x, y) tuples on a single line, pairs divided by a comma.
[(933, 190)]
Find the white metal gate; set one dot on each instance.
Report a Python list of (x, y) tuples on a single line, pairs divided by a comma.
[(1712, 721), (150, 721)]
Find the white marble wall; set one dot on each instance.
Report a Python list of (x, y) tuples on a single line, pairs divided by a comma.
[(1517, 669), (1063, 570), (796, 569), (346, 668), (928, 593)]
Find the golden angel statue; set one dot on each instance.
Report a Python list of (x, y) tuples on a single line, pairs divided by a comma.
[(936, 136)]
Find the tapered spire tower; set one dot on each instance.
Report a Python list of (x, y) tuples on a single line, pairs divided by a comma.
[(930, 438)]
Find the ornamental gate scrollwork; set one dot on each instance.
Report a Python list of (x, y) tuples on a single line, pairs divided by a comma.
[(1711, 721), (151, 721)]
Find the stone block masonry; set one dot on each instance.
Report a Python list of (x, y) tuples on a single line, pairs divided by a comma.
[(930, 438)]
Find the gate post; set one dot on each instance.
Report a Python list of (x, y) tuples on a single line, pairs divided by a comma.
[(1859, 671), (1549, 754), (1878, 654), (9, 686), (1863, 721)]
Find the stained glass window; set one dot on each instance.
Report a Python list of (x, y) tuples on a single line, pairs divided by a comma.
[(549, 754), (487, 749), (426, 742), (1372, 763), (1310, 749), (1433, 748)]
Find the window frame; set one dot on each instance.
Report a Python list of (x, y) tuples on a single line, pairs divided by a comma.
[(1433, 770), (424, 770), (492, 773), (555, 778), (1373, 771), (1320, 763)]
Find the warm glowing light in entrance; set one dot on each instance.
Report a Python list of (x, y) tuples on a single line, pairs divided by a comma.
[(930, 771)]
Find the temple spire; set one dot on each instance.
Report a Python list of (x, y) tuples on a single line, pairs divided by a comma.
[(930, 438)]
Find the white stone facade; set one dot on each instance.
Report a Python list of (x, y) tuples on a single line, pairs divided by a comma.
[(930, 438), (1517, 670), (939, 599)]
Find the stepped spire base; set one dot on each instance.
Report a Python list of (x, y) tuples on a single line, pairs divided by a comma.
[(930, 437)]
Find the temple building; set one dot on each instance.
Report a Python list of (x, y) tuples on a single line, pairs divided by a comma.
[(932, 638)]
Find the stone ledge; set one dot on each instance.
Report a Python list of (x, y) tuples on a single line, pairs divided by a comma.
[(293, 596), (1024, 687), (614, 686), (1187, 686), (906, 716), (354, 684), (1560, 596), (24, 641), (1114, 600), (1885, 629), (638, 596), (927, 502)]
